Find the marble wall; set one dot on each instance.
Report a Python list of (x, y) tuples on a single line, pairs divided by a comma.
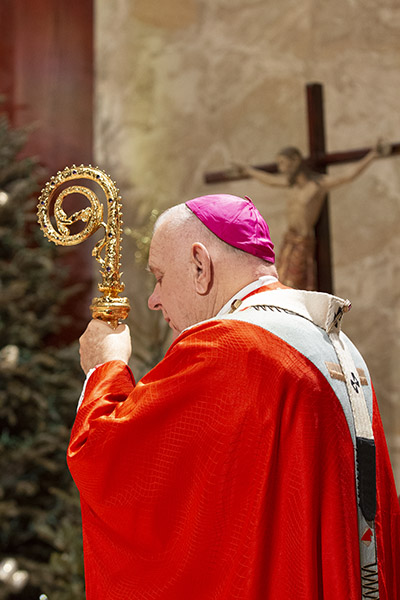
[(184, 86)]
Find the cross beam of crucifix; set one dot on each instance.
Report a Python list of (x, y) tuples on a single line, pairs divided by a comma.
[(318, 160)]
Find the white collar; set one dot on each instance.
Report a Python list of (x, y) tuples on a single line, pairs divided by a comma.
[(264, 280), (320, 308)]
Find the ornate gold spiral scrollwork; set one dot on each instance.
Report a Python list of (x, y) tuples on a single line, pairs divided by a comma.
[(110, 307)]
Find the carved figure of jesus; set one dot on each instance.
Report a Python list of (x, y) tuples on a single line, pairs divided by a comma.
[(296, 260)]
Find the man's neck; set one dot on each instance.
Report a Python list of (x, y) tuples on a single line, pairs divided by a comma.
[(240, 294)]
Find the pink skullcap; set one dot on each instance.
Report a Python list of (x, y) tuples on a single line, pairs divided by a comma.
[(235, 221)]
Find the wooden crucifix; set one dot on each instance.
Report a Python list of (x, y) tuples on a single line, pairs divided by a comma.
[(317, 161)]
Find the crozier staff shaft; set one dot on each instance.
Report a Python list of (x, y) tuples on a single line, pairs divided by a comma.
[(110, 306)]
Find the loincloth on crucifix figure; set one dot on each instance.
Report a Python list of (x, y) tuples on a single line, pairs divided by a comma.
[(296, 261)]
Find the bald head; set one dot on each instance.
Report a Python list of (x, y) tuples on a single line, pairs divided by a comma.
[(185, 228)]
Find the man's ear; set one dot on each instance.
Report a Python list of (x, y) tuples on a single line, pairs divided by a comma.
[(202, 265)]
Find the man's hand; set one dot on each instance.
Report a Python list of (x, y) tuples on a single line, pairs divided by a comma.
[(101, 343)]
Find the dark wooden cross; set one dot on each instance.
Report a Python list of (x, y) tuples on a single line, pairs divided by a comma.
[(318, 160)]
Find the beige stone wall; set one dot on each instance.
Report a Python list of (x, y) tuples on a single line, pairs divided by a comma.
[(183, 86)]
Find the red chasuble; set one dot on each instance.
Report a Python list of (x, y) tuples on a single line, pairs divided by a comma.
[(227, 472)]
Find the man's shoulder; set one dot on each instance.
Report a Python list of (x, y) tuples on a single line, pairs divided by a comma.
[(213, 334), (236, 338)]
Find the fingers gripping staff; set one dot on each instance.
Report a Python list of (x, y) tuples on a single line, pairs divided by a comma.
[(100, 344), (110, 307)]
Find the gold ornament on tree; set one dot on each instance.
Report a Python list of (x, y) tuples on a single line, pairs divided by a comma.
[(110, 306)]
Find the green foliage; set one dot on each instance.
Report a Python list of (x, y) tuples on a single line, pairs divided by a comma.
[(39, 389)]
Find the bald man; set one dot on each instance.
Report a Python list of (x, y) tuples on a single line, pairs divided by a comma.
[(251, 462)]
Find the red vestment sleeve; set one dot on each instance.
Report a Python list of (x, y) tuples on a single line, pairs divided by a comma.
[(108, 386)]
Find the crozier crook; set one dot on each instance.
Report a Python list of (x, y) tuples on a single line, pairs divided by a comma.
[(110, 306)]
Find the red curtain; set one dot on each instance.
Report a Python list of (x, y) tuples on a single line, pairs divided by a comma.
[(46, 78)]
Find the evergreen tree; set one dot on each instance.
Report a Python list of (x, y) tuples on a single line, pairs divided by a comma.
[(39, 389)]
